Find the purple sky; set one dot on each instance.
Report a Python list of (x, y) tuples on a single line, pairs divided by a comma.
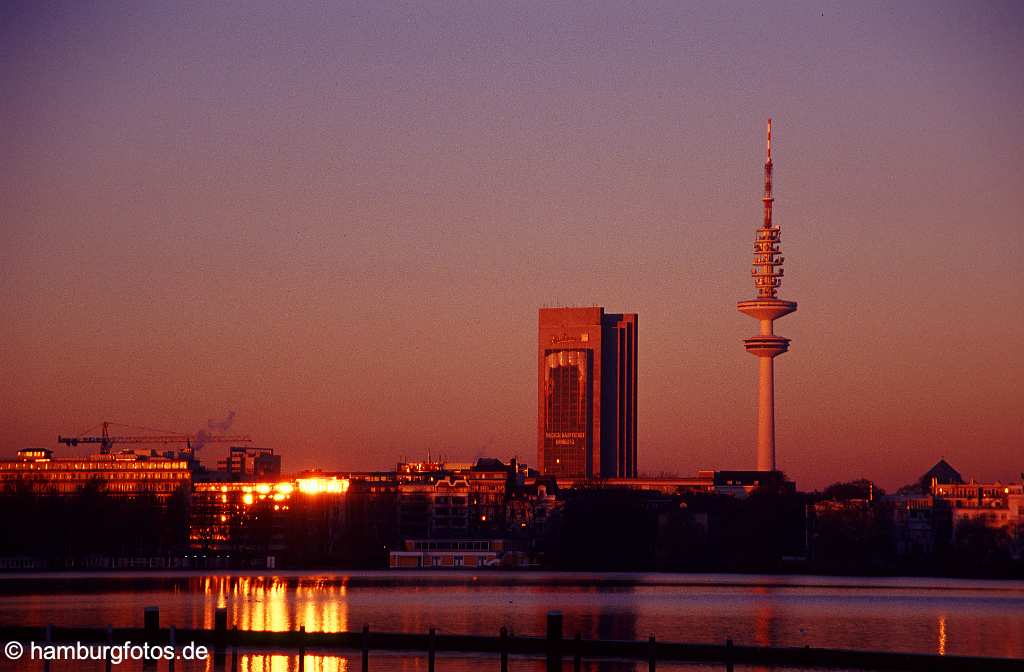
[(340, 220)]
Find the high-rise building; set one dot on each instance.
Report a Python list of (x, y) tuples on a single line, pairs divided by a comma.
[(586, 393)]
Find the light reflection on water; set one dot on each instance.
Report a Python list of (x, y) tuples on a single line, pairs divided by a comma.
[(925, 615), (257, 603), (942, 635)]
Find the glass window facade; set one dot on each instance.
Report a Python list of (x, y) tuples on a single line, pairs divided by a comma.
[(567, 421)]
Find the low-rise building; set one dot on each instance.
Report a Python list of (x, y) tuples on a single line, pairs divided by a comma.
[(996, 505), (929, 515), (447, 553), (916, 524), (125, 473)]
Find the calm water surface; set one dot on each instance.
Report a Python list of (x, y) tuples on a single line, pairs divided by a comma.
[(925, 615)]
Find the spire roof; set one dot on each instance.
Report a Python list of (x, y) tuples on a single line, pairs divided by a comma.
[(942, 472)]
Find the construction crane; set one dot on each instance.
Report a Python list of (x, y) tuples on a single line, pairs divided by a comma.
[(106, 441)]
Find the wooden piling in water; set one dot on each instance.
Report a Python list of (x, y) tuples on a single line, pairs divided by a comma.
[(110, 641), (220, 623), (49, 640), (431, 649), (173, 640), (366, 648), (503, 648), (234, 648), (151, 620), (554, 641), (220, 637)]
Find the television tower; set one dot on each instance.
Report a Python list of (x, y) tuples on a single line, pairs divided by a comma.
[(766, 308)]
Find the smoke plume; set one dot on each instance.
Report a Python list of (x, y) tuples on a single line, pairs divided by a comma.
[(212, 425)]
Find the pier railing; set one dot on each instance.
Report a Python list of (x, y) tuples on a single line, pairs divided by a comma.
[(558, 650)]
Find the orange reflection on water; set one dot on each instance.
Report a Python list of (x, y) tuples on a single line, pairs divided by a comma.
[(290, 663), (326, 608), (264, 605), (764, 619), (277, 603), (942, 635)]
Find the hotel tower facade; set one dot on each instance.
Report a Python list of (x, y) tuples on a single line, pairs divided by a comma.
[(586, 393)]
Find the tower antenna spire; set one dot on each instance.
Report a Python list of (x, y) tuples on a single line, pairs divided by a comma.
[(768, 201)]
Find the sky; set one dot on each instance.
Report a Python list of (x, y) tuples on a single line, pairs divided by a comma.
[(339, 220)]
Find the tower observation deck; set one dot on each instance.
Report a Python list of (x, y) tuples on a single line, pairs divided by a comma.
[(766, 308)]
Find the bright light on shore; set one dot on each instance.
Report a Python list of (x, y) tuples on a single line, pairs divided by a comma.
[(316, 486)]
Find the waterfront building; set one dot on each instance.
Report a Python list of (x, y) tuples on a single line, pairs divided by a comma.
[(994, 505), (531, 506), (586, 393), (916, 523), (447, 554), (930, 514), (446, 500), (255, 518), (766, 308), (124, 473)]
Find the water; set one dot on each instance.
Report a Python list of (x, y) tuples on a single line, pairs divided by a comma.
[(941, 616)]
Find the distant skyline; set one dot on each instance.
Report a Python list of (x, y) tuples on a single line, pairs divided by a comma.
[(339, 222)]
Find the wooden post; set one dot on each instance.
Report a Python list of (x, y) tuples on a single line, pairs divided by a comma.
[(110, 642), (220, 637), (220, 633), (366, 648), (728, 655), (554, 641), (577, 656), (49, 640), (234, 648), (302, 648), (503, 646), (220, 620), (651, 654), (431, 649), (172, 638), (151, 621)]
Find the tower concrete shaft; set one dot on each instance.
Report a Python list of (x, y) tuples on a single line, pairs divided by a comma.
[(766, 308)]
